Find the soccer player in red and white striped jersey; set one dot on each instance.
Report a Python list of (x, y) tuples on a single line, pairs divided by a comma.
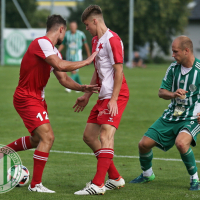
[(105, 116), (41, 58)]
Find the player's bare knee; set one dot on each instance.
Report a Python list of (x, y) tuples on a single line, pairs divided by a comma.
[(51, 138), (180, 145), (48, 138), (86, 139), (143, 145), (106, 139)]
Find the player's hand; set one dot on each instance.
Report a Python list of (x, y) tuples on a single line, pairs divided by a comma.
[(112, 107), (90, 88), (91, 58), (179, 93), (198, 118), (80, 104)]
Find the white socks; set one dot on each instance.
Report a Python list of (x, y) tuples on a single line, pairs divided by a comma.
[(195, 176), (149, 172)]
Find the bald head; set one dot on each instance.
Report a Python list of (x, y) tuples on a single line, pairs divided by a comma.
[(182, 49), (184, 42)]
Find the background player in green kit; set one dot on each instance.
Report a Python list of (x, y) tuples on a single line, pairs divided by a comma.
[(179, 124), (74, 40)]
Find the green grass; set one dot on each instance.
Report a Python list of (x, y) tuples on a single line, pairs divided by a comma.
[(66, 173)]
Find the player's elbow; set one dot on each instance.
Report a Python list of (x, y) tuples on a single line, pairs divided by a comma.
[(59, 67), (160, 93)]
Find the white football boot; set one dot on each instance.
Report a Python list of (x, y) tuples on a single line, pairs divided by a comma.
[(111, 184), (40, 188), (91, 189)]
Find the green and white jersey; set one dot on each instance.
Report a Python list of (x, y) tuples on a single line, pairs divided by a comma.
[(74, 43), (186, 107)]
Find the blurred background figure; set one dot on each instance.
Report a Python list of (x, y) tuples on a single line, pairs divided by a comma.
[(74, 41), (138, 61)]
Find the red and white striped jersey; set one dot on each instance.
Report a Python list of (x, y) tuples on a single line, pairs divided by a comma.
[(34, 71), (111, 51)]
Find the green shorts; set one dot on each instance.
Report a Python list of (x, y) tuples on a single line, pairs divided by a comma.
[(164, 132)]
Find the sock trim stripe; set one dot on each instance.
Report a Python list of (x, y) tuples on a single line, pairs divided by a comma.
[(147, 155), (40, 157), (104, 151), (24, 143), (189, 151)]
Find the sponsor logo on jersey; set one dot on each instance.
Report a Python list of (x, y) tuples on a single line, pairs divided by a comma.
[(182, 101)]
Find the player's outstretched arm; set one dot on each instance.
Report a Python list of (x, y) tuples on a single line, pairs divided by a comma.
[(81, 102), (68, 66), (67, 82)]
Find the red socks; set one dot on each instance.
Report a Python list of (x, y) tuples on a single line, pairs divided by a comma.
[(112, 171), (40, 159), (104, 157), (21, 144)]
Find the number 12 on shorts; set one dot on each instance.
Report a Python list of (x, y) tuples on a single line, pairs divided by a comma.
[(40, 116)]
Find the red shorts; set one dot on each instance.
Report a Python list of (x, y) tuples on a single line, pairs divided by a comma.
[(100, 113), (32, 111)]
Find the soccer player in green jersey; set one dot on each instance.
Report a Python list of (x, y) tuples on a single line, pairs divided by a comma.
[(74, 40), (179, 124)]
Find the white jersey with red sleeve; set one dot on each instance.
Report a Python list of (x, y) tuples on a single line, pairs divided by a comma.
[(111, 51), (34, 71)]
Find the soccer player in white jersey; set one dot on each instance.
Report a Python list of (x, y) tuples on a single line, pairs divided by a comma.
[(105, 116), (179, 124), (41, 58)]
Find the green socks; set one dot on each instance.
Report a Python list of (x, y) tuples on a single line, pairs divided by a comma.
[(189, 161), (145, 160)]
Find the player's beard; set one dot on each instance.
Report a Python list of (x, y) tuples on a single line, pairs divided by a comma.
[(59, 42)]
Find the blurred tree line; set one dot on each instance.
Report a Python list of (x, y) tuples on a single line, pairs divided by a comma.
[(154, 21), (36, 18)]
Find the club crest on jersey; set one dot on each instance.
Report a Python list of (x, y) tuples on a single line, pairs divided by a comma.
[(192, 88), (100, 46)]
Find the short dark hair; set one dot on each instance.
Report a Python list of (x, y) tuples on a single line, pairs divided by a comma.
[(90, 11), (54, 21)]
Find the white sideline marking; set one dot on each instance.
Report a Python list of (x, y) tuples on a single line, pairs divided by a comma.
[(116, 156)]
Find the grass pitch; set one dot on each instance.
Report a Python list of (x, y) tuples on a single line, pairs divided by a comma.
[(71, 165)]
